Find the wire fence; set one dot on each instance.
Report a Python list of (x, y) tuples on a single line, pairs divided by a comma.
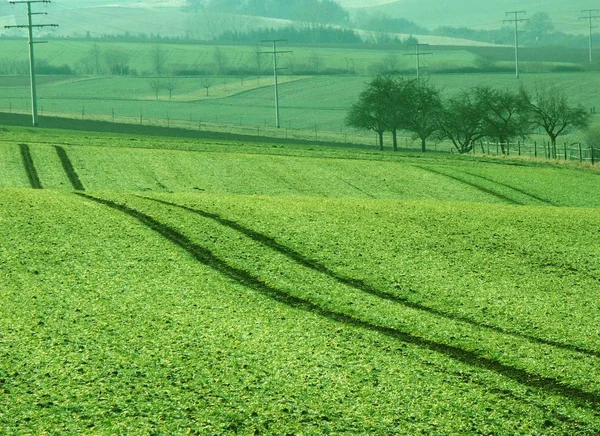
[(565, 151)]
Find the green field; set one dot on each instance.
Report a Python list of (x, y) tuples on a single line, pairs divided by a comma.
[(307, 103), (312, 106), (171, 286)]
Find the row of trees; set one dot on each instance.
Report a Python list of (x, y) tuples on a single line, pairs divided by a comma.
[(392, 104)]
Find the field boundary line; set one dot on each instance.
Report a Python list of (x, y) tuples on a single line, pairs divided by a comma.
[(473, 185), (204, 256), (32, 174), (69, 169), (362, 286)]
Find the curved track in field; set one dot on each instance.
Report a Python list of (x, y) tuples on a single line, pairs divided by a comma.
[(520, 191), (206, 257), (360, 285), (473, 185)]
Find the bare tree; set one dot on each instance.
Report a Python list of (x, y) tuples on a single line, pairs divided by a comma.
[(315, 61), (159, 57), (170, 85), (117, 61), (206, 82), (462, 120), (549, 109), (371, 111), (505, 115), (422, 109), (156, 85), (221, 60), (258, 58), (95, 54)]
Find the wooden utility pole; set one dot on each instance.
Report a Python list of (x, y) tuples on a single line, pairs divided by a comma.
[(516, 20), (591, 18), (275, 69), (29, 26), (417, 54)]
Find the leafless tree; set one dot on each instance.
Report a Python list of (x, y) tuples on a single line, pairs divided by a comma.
[(206, 82), (156, 85), (159, 57), (171, 84), (549, 108)]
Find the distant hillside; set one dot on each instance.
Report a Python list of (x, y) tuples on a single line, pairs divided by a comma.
[(97, 18), (470, 13)]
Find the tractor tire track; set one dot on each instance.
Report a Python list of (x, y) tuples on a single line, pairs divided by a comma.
[(473, 185), (206, 257), (521, 191), (32, 174), (360, 285), (69, 169)]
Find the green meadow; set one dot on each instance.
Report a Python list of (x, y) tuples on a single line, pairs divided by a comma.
[(155, 285)]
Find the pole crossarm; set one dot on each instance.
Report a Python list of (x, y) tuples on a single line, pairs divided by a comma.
[(30, 26), (417, 54), (275, 53)]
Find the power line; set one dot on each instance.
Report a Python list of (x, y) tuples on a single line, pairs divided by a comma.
[(590, 17), (29, 26), (417, 54), (275, 69), (516, 20)]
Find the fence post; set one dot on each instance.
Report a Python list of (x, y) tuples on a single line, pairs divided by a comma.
[(497, 148), (592, 150), (534, 148), (580, 158), (508, 148), (565, 146), (519, 145)]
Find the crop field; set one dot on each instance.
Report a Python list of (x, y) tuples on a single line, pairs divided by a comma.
[(162, 285)]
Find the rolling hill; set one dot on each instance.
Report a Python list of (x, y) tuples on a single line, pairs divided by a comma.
[(179, 286)]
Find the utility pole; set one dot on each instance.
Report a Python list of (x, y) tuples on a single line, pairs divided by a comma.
[(516, 20), (417, 54), (275, 69), (590, 17), (29, 26)]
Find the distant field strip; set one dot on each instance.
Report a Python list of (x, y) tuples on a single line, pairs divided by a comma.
[(32, 174), (69, 169), (477, 359), (362, 286)]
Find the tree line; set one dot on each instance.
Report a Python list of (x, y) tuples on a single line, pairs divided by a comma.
[(393, 104)]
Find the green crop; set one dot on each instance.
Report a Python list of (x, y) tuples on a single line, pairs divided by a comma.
[(202, 287)]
